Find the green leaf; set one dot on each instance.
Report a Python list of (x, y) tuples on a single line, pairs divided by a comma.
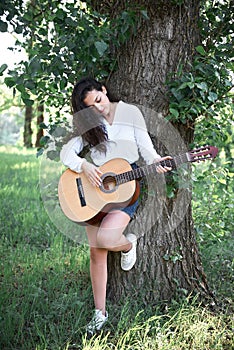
[(222, 181), (53, 155), (208, 226), (43, 126), (101, 47), (184, 85), (69, 21), (174, 112), (3, 68), (40, 151), (10, 82), (190, 85), (212, 96), (21, 88), (144, 14), (60, 14), (177, 94), (3, 26), (200, 49), (28, 102), (170, 192), (34, 65), (59, 131), (29, 84), (19, 29), (222, 224), (202, 86), (44, 140)]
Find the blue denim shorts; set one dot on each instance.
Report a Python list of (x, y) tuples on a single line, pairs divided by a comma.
[(131, 209)]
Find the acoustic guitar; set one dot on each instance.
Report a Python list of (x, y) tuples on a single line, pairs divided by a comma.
[(85, 204)]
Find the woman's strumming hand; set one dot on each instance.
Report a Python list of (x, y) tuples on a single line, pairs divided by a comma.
[(92, 172)]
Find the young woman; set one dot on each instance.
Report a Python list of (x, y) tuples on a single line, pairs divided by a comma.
[(119, 131)]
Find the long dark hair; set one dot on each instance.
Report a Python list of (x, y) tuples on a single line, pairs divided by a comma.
[(87, 121)]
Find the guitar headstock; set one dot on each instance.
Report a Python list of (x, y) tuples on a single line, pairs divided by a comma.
[(202, 153)]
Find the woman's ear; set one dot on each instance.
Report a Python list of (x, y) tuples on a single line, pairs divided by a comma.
[(104, 90)]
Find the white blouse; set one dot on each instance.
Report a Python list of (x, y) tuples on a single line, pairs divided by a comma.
[(126, 136)]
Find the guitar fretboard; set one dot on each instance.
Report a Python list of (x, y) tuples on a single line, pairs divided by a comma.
[(152, 168)]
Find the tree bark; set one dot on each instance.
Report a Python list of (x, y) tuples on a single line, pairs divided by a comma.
[(168, 261), (27, 127), (40, 119)]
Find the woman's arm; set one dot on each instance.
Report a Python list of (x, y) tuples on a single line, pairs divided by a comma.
[(69, 154), (69, 157), (145, 143)]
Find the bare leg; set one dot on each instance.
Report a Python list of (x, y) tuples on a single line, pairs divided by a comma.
[(98, 274), (108, 236), (110, 233)]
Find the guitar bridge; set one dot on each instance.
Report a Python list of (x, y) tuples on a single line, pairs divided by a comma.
[(80, 192)]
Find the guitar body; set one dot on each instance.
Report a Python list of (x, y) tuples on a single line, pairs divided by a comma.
[(85, 204)]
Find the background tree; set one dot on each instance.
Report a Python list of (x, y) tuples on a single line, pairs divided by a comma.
[(28, 127), (40, 120), (150, 53)]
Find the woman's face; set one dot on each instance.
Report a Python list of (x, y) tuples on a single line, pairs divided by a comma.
[(99, 100)]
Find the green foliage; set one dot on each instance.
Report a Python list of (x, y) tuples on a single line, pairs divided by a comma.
[(65, 41), (57, 129), (219, 131), (213, 201), (202, 91), (201, 88)]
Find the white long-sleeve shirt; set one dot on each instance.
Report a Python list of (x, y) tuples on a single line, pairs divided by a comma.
[(126, 137)]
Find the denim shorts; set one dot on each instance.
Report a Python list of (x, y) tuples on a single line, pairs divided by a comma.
[(131, 209)]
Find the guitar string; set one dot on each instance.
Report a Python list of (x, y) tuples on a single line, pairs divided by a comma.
[(143, 171), (137, 173)]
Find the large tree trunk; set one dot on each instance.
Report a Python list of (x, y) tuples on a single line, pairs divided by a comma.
[(168, 261)]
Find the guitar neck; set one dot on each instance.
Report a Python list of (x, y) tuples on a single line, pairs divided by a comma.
[(151, 169)]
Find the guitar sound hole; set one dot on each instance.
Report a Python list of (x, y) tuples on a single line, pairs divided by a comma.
[(109, 184)]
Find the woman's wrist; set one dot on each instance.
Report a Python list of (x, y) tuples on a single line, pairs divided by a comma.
[(156, 159), (83, 163)]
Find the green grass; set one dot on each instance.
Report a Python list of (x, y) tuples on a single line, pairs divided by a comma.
[(45, 291)]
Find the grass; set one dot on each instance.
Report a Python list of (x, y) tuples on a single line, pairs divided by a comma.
[(45, 293)]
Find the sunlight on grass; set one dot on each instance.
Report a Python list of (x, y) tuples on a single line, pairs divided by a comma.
[(187, 328), (23, 165), (21, 151)]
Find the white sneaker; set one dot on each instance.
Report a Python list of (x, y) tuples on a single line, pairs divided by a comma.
[(97, 322), (128, 259)]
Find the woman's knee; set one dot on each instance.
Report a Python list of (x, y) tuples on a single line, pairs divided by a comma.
[(98, 255), (103, 242)]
